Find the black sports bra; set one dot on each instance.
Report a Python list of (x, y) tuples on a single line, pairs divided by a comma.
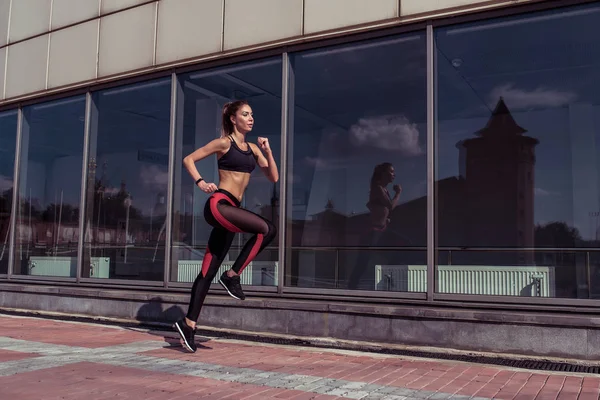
[(237, 159)]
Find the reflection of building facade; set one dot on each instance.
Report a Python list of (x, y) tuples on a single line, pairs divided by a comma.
[(334, 92)]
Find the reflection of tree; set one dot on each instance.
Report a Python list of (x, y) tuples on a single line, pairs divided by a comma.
[(111, 208), (67, 214), (28, 209), (557, 234), (5, 210), (6, 201)]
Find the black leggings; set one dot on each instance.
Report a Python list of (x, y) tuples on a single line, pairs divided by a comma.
[(223, 212)]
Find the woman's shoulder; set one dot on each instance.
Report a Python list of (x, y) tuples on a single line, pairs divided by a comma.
[(254, 148), (222, 143)]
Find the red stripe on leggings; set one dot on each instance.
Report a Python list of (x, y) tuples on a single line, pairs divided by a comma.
[(214, 200), (253, 252), (206, 262)]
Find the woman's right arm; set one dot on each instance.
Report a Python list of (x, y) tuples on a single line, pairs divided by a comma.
[(215, 146)]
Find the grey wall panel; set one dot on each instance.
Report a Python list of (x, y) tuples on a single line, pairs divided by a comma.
[(322, 15), (263, 21), (127, 40), (73, 54), (4, 12), (116, 5), (408, 7), (29, 18), (26, 66), (136, 38), (188, 28), (67, 12)]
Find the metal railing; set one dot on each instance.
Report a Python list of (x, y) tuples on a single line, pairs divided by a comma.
[(451, 252), (586, 261)]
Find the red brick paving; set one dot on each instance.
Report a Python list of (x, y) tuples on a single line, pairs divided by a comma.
[(459, 378), (98, 381), (58, 332), (9, 355), (87, 380)]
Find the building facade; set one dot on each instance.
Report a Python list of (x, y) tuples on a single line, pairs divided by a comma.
[(485, 110)]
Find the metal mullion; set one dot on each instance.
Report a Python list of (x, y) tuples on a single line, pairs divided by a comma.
[(283, 198), (175, 95), (15, 194), (84, 178), (431, 234)]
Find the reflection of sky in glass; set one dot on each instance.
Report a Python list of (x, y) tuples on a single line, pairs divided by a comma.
[(51, 153), (545, 67), (132, 144), (357, 106)]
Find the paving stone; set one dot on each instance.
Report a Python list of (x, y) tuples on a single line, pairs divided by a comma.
[(136, 367)]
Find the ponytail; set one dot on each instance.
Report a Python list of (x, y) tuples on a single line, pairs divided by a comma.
[(230, 109)]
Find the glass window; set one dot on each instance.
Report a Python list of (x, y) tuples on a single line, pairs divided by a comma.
[(8, 135), (200, 104), (47, 231), (518, 130), (127, 182), (357, 166)]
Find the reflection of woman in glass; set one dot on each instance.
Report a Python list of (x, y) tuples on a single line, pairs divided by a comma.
[(380, 206), (380, 203), (236, 159)]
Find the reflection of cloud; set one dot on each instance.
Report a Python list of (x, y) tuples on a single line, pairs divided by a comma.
[(540, 97), (154, 176), (6, 183), (543, 192), (393, 132)]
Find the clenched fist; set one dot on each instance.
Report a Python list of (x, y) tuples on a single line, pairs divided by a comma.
[(263, 143), (207, 187)]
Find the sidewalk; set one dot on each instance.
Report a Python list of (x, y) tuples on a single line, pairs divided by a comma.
[(46, 359)]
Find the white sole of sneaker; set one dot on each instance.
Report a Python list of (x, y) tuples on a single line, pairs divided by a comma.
[(225, 287), (185, 342)]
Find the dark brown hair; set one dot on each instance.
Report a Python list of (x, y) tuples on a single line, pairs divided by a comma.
[(230, 109), (379, 172)]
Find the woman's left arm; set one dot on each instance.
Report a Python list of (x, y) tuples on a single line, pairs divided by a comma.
[(265, 161)]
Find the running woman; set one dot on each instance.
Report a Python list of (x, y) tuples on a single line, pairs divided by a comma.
[(236, 159)]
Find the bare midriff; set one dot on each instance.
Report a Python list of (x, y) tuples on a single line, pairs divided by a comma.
[(234, 182)]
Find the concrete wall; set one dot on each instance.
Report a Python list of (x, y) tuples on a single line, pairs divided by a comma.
[(46, 45), (571, 336)]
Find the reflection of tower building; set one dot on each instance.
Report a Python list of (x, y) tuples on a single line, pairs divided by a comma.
[(499, 193)]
